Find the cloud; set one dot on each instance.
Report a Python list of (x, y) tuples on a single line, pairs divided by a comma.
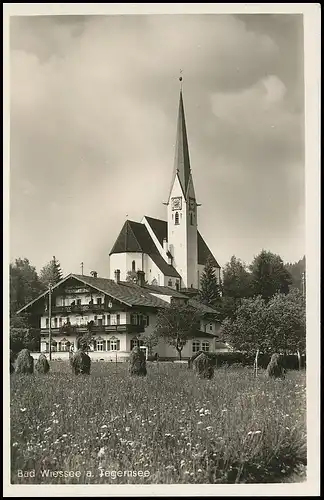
[(93, 122)]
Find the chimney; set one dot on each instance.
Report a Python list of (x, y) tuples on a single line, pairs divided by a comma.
[(140, 278), (94, 274), (165, 245), (117, 275)]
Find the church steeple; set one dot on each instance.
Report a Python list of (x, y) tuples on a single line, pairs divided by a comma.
[(182, 159), (182, 209)]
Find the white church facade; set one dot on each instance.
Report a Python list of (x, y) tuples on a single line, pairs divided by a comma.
[(171, 253)]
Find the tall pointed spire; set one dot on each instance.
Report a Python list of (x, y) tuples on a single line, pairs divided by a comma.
[(182, 159)]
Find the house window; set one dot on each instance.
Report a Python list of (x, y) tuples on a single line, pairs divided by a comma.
[(136, 343), (205, 346), (145, 321), (100, 346), (78, 302), (60, 322), (211, 327), (63, 346), (170, 283), (47, 322), (133, 265), (99, 321), (195, 346), (118, 319), (176, 218), (177, 286), (55, 322), (108, 319), (114, 345), (134, 319), (99, 301)]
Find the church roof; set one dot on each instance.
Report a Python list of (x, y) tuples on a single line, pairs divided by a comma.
[(134, 237), (160, 229), (182, 159)]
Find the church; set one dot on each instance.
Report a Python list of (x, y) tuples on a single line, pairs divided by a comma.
[(171, 253), (153, 264)]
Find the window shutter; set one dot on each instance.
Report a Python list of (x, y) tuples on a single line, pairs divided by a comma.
[(118, 345), (108, 345), (95, 345)]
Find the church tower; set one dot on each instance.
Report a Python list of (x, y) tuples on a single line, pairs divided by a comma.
[(182, 210)]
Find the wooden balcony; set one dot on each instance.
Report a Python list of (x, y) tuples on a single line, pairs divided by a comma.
[(79, 308), (96, 329)]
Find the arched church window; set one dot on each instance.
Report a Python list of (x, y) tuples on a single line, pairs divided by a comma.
[(176, 218), (133, 265)]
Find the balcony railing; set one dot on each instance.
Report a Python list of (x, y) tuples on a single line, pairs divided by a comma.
[(95, 329), (79, 308)]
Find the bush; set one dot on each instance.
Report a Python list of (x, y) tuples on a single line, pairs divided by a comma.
[(289, 361), (25, 362)]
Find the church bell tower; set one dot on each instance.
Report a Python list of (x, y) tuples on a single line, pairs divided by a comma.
[(182, 209)]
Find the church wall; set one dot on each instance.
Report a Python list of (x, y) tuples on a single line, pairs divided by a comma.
[(123, 262)]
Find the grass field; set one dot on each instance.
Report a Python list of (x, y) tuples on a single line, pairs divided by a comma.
[(166, 428)]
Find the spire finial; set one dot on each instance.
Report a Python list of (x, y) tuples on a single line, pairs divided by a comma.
[(180, 79)]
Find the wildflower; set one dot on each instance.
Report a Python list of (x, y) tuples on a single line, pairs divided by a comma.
[(209, 428), (23, 410), (224, 410), (55, 421), (64, 435), (199, 470), (101, 452), (127, 429), (200, 422), (167, 434)]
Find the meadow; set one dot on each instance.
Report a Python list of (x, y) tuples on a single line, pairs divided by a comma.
[(169, 427)]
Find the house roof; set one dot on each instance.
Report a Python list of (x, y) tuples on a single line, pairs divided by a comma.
[(134, 237), (160, 229), (127, 293)]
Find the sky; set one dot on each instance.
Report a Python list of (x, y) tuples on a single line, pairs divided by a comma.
[(93, 111)]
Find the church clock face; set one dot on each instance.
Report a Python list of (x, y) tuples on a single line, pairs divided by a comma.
[(192, 204), (176, 203)]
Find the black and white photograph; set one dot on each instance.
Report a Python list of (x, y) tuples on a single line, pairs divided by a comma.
[(162, 272)]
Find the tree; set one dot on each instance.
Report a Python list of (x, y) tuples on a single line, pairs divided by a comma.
[(277, 325), (131, 276), (236, 280), (150, 341), (85, 340), (296, 271), (24, 338), (24, 284), (287, 321), (268, 275), (176, 324), (51, 273), (209, 286), (247, 332)]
